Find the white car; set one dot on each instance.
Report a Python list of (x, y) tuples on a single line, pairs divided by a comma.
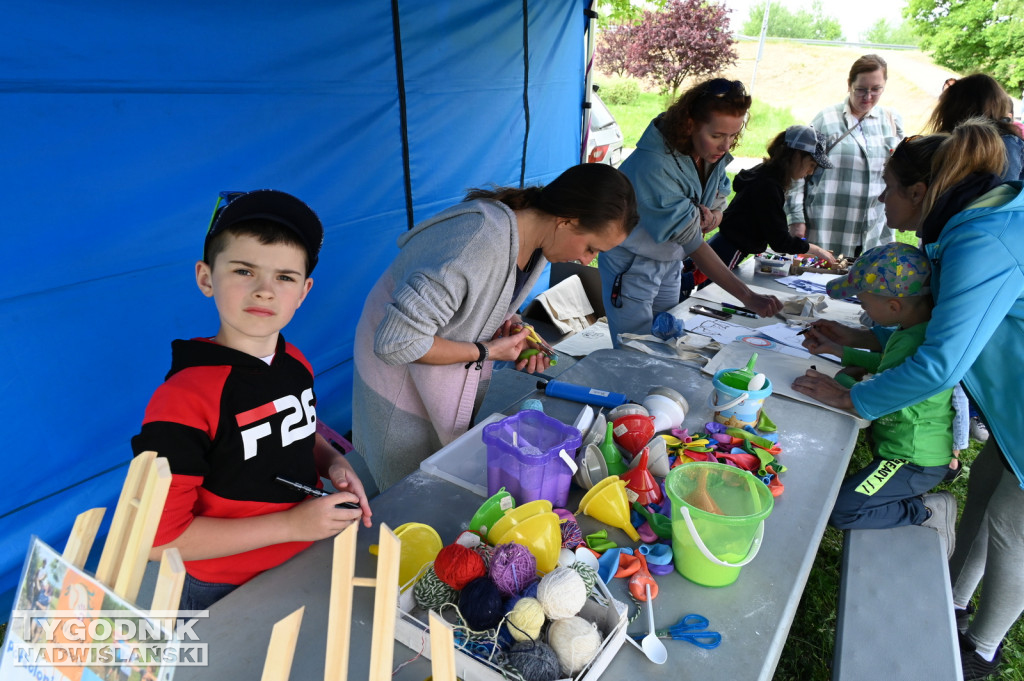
[(604, 144)]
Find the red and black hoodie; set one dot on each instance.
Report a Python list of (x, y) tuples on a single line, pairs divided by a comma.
[(228, 423)]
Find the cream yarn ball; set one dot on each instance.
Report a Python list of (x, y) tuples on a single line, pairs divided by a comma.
[(575, 642), (562, 593)]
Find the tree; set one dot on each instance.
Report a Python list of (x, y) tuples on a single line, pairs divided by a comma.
[(973, 35), (784, 23), (613, 49), (619, 12), (884, 33), (688, 38)]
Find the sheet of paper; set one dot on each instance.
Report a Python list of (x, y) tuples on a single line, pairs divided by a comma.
[(580, 344), (787, 335), (781, 370), (727, 332)]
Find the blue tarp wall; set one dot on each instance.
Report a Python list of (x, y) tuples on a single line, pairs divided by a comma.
[(120, 122)]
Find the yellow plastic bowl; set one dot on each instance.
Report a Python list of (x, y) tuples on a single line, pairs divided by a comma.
[(420, 546), (516, 515)]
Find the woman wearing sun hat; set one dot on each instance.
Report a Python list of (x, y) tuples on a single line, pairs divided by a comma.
[(839, 208), (756, 216)]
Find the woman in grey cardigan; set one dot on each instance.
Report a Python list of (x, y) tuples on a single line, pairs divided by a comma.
[(444, 308)]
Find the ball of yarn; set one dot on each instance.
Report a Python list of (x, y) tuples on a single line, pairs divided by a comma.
[(535, 661), (575, 642), (512, 568), (533, 403), (480, 604), (457, 566), (526, 619), (572, 536), (430, 593), (562, 593)]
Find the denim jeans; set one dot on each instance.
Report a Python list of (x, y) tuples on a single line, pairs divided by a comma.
[(200, 595), (885, 494)]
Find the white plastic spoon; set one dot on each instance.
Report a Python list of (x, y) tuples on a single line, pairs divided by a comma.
[(757, 382), (653, 648)]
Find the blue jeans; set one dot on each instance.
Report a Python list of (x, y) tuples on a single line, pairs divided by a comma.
[(885, 494), (200, 595), (646, 288)]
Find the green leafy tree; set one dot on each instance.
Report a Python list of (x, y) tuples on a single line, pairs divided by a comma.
[(973, 35), (887, 34), (811, 24), (687, 39), (620, 12)]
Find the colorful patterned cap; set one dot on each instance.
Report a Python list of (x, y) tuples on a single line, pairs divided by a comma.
[(895, 270)]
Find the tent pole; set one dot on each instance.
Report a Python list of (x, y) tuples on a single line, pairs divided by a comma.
[(591, 14)]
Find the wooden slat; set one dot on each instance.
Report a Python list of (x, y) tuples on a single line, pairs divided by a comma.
[(339, 617), (83, 534), (385, 605), (143, 530), (124, 515), (169, 582), (281, 650), (442, 649)]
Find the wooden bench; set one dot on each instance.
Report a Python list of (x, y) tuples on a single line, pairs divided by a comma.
[(895, 618)]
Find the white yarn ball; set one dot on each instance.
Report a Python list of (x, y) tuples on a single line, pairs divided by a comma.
[(575, 642), (562, 593)]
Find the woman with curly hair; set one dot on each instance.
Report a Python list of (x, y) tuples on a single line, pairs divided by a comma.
[(678, 172)]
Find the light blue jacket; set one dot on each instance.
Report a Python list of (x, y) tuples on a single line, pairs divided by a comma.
[(976, 333), (667, 191)]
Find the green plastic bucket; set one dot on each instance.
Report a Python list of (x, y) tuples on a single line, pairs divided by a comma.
[(718, 514)]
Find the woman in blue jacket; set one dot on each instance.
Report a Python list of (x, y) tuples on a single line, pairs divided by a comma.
[(973, 232), (678, 172)]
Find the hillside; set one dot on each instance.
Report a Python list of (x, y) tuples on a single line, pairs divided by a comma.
[(806, 78)]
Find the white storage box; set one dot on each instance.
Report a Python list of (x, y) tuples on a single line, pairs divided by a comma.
[(463, 461), (411, 630)]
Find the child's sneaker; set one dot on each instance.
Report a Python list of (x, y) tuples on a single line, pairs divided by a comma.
[(978, 430), (942, 517), (974, 666)]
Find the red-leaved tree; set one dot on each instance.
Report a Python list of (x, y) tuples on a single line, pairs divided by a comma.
[(613, 47), (688, 38)]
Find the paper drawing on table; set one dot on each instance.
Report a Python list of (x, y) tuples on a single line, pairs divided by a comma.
[(582, 343), (765, 343)]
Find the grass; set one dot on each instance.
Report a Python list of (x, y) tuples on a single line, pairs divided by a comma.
[(807, 655)]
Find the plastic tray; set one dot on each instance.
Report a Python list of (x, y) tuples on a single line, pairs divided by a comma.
[(412, 631), (463, 461)]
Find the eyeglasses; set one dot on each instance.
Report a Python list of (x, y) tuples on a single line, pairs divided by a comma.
[(223, 199), (863, 92), (720, 87)]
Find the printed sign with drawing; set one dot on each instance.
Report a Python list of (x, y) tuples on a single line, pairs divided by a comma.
[(66, 626)]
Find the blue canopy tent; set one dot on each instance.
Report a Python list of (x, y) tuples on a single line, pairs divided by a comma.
[(122, 121)]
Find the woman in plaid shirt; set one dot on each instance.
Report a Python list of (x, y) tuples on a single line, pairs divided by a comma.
[(839, 208)]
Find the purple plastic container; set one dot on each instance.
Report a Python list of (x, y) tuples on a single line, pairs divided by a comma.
[(522, 457)]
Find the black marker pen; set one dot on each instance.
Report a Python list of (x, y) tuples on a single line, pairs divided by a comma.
[(313, 491)]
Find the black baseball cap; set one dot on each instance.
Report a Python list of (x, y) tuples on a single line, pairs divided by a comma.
[(268, 204)]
